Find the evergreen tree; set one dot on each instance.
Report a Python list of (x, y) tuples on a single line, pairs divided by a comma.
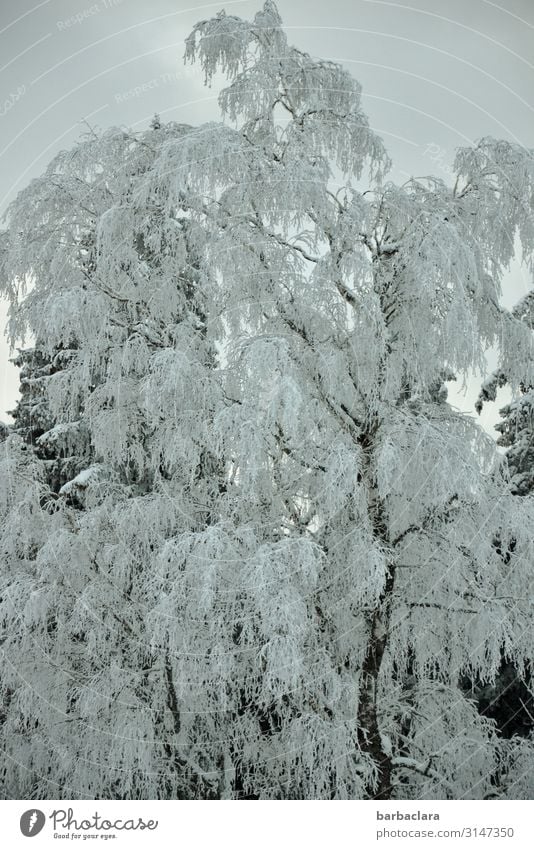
[(517, 426), (276, 569), (509, 700)]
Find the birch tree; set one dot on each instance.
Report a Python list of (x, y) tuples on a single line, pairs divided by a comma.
[(276, 569), (106, 285)]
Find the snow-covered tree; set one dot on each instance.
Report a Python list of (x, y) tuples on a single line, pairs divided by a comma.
[(517, 435), (509, 699), (517, 426), (121, 343), (278, 565)]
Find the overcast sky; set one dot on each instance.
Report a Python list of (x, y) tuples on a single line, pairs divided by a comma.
[(436, 74)]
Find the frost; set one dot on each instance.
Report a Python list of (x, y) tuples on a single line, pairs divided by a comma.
[(248, 549)]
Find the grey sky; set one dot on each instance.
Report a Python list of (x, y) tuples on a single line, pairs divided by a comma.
[(436, 74)]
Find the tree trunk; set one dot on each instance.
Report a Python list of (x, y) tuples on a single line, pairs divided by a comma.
[(370, 738)]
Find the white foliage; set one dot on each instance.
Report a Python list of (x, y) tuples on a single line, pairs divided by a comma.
[(274, 551)]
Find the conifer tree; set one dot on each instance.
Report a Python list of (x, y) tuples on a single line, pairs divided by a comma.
[(517, 426), (509, 699)]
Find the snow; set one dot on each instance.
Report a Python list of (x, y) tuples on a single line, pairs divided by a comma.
[(290, 561)]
